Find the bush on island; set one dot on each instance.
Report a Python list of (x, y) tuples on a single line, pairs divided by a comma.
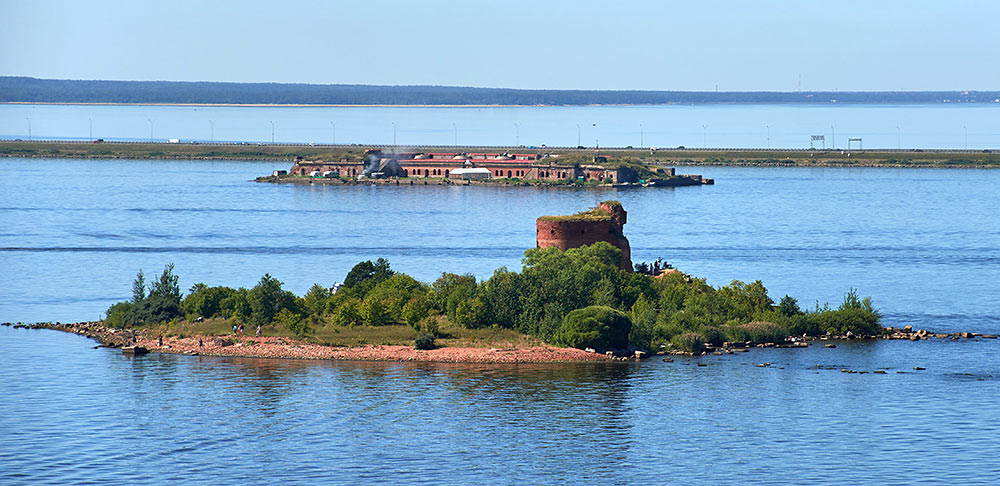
[(691, 342), (757, 332), (599, 327), (424, 341)]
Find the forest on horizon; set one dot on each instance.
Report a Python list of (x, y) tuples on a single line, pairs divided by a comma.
[(34, 90)]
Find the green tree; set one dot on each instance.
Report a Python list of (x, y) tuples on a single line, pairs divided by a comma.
[(139, 288), (315, 299), (366, 275), (374, 313), (789, 306), (267, 299), (643, 322), (348, 313)]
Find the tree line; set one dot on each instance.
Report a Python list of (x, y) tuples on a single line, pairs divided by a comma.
[(26, 89), (578, 298)]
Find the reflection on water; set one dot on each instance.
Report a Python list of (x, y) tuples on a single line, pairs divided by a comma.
[(94, 415)]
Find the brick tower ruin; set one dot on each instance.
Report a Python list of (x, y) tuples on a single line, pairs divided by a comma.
[(603, 223)]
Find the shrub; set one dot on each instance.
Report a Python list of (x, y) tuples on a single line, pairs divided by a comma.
[(757, 332), (691, 342), (292, 321), (424, 341), (117, 315), (597, 327)]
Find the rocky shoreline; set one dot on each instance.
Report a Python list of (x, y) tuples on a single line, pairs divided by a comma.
[(287, 348)]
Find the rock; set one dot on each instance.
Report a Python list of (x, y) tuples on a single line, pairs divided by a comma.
[(989, 336), (639, 354), (831, 345), (718, 353), (907, 328), (918, 368), (590, 350), (966, 335), (702, 364), (668, 360), (879, 372)]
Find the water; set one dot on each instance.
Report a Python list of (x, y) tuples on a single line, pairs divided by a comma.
[(955, 126), (83, 415), (922, 243)]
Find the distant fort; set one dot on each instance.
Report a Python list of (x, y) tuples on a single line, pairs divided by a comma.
[(375, 165)]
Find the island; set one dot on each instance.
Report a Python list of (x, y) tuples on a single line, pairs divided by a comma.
[(577, 297), (375, 166)]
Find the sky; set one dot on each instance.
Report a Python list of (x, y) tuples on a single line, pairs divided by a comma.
[(652, 45)]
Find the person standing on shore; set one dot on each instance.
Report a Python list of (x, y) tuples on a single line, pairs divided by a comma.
[(235, 328), (258, 329)]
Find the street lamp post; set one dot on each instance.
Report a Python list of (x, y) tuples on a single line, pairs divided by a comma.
[(517, 135), (91, 120), (393, 134), (641, 135), (334, 125), (578, 135), (150, 120), (29, 128), (272, 132), (966, 130), (768, 136)]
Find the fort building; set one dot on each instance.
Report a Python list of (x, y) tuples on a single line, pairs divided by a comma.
[(603, 223), (441, 165)]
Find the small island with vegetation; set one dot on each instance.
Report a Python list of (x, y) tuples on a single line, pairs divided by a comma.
[(570, 301)]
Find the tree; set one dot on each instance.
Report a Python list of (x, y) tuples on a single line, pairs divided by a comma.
[(373, 313), (316, 298), (348, 313), (366, 275), (597, 327), (267, 299), (789, 306), (139, 288), (166, 286), (643, 322)]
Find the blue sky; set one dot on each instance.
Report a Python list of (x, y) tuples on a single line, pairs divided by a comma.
[(660, 45)]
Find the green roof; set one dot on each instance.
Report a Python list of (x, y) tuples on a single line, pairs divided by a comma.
[(596, 214)]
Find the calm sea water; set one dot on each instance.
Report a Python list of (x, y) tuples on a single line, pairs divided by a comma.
[(953, 126), (922, 243), (73, 414)]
